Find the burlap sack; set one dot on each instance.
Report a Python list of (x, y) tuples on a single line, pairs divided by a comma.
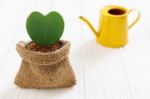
[(44, 70)]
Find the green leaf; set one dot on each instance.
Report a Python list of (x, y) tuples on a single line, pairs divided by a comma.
[(45, 30)]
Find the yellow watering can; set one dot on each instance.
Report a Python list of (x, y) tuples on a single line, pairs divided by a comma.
[(113, 26)]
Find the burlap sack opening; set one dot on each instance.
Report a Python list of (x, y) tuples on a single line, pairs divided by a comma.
[(44, 70)]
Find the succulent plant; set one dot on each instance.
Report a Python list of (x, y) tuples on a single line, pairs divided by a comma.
[(45, 30)]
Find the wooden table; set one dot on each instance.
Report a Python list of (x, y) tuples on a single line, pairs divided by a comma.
[(102, 73)]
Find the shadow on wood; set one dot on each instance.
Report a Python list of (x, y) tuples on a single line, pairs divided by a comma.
[(93, 52), (19, 93)]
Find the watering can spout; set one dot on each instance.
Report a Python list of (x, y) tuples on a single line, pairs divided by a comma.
[(90, 25)]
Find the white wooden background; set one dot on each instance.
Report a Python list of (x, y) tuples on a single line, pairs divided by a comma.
[(102, 73)]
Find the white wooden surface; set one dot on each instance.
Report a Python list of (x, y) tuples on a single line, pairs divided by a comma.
[(102, 73)]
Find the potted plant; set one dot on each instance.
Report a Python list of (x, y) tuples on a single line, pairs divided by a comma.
[(45, 62)]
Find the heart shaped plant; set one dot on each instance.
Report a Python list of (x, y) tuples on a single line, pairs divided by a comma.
[(45, 30)]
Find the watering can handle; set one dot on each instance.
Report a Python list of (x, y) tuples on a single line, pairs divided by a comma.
[(136, 20)]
